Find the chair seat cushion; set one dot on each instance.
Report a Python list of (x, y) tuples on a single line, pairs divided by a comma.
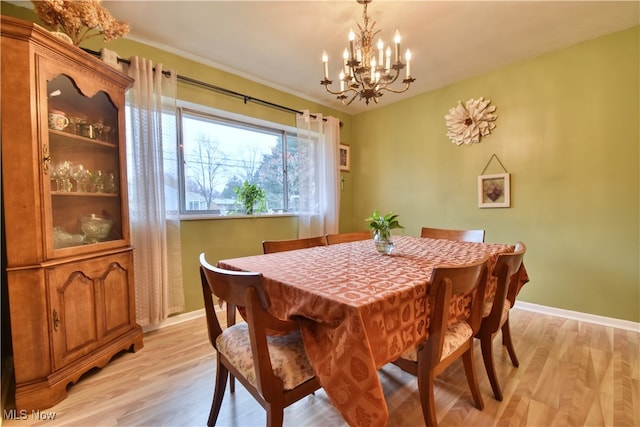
[(488, 305), (457, 334), (288, 357)]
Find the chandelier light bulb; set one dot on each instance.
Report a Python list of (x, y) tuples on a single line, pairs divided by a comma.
[(387, 65), (364, 73), (325, 62)]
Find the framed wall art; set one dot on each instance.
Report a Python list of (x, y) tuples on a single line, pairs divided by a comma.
[(345, 157), (494, 191)]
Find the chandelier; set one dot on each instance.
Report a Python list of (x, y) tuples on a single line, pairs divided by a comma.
[(367, 71)]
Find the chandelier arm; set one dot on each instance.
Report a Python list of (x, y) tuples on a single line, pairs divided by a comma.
[(391, 79), (407, 83), (357, 76), (352, 98), (342, 92)]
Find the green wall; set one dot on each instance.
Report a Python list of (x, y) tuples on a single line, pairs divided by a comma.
[(567, 132)]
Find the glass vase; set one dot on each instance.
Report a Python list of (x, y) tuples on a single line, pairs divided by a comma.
[(384, 242)]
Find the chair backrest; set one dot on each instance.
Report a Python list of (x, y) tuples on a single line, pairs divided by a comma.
[(271, 246), (354, 236), (451, 234), (447, 282), (506, 270), (243, 289)]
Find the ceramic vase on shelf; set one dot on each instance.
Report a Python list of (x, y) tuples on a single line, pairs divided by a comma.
[(384, 242), (62, 36)]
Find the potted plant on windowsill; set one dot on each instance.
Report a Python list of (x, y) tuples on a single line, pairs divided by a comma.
[(252, 198), (381, 226)]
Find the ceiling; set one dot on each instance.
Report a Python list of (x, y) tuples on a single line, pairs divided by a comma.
[(280, 43)]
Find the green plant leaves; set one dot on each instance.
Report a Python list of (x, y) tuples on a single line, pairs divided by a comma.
[(383, 223), (250, 195)]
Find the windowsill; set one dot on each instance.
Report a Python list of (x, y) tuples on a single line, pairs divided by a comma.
[(207, 217)]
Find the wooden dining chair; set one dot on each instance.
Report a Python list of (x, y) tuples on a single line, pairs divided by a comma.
[(496, 312), (274, 369), (354, 236), (271, 246), (448, 339), (452, 234)]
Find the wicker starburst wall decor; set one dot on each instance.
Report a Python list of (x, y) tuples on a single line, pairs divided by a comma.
[(469, 122), (80, 20)]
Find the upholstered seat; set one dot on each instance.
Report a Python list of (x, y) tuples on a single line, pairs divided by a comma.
[(288, 358), (454, 338)]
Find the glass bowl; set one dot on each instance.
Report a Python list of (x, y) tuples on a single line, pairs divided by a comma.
[(96, 228)]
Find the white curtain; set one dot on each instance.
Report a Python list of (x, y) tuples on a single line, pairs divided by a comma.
[(319, 174), (153, 201)]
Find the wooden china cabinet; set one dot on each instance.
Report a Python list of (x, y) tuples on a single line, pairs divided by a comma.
[(69, 261)]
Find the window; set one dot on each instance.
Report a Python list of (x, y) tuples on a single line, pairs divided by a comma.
[(220, 154)]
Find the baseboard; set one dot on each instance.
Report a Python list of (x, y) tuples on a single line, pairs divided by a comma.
[(527, 306), (583, 317), (175, 320)]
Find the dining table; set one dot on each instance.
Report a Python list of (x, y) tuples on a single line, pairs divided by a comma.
[(359, 309)]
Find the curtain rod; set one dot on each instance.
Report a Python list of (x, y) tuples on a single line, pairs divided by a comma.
[(215, 88)]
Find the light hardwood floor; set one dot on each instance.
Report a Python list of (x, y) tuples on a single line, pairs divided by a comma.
[(571, 374)]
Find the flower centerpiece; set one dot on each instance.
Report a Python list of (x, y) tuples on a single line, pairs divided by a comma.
[(80, 20), (381, 226)]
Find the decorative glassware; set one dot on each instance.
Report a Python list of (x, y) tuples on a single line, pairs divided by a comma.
[(98, 181), (76, 123), (95, 228), (111, 185), (107, 133), (55, 176), (98, 127), (82, 177), (384, 242), (63, 173)]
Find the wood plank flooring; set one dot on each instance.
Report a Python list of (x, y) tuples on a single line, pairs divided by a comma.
[(571, 374)]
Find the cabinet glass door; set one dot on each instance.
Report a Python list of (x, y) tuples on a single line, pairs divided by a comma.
[(83, 166)]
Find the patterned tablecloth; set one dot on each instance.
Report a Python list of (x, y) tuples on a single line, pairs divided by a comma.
[(358, 309)]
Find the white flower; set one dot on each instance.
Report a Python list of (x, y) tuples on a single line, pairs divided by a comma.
[(469, 122)]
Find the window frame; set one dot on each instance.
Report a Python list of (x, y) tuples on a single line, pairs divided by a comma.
[(242, 121)]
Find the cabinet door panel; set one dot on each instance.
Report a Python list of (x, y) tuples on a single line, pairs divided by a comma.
[(117, 287), (75, 322), (77, 312)]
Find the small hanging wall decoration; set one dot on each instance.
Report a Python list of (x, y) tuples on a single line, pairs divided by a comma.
[(469, 122), (494, 190)]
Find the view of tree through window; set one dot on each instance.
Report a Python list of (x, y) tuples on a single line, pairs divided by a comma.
[(220, 155)]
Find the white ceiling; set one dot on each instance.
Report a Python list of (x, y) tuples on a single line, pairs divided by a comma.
[(280, 43)]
